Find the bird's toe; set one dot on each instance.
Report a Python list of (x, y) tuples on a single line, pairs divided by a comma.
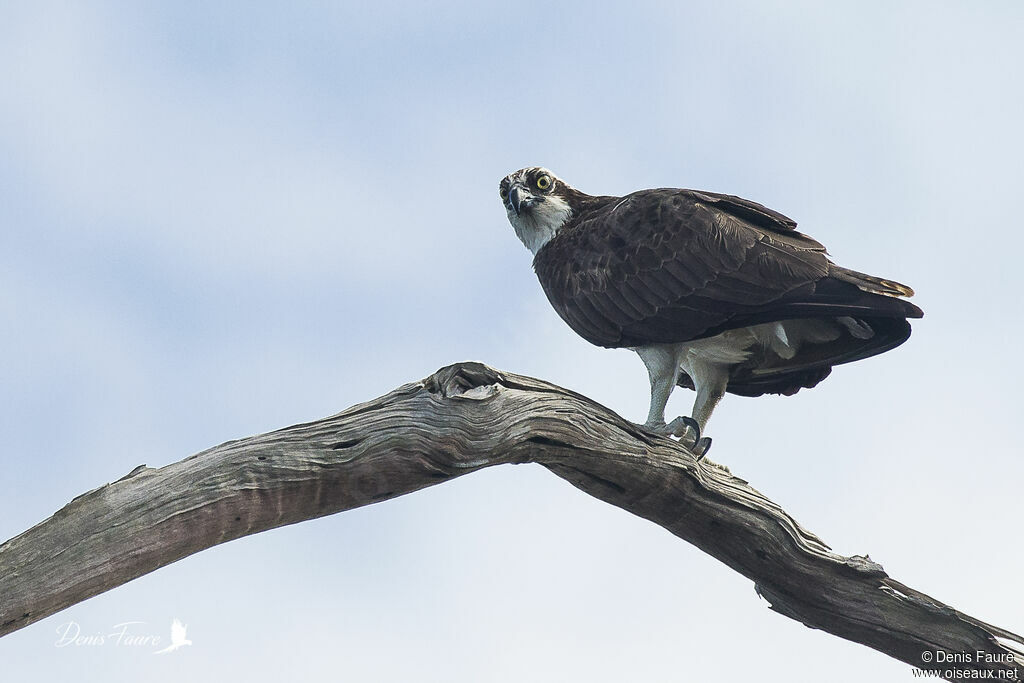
[(702, 447), (686, 428), (692, 424), (688, 432)]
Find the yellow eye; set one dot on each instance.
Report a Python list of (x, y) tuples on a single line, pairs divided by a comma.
[(543, 182), (503, 193)]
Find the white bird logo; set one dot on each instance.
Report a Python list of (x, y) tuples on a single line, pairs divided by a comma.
[(177, 638)]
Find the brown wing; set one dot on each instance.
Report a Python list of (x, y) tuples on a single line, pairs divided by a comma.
[(663, 266)]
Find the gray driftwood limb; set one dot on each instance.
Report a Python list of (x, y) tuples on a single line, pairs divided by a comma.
[(463, 418)]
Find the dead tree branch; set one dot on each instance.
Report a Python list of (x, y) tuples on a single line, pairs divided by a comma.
[(463, 418)]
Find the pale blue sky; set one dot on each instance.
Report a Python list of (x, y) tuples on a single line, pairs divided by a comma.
[(220, 220)]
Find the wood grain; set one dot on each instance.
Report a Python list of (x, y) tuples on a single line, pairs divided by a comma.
[(460, 419)]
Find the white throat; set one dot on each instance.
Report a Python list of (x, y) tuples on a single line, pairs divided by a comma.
[(540, 222)]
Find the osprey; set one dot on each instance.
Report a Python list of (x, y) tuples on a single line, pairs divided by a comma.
[(714, 292)]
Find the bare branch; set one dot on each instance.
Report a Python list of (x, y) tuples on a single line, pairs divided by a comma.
[(463, 418)]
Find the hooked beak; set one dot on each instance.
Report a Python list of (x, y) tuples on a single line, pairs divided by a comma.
[(519, 197)]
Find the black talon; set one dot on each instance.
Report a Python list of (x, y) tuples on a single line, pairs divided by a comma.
[(692, 424), (702, 447)]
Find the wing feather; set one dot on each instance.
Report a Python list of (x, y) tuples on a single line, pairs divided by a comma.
[(663, 266)]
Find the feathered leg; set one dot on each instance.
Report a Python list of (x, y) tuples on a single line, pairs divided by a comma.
[(663, 369), (710, 381)]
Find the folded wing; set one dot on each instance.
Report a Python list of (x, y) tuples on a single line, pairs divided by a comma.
[(670, 266)]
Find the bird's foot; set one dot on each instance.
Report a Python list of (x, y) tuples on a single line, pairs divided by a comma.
[(687, 430), (677, 427)]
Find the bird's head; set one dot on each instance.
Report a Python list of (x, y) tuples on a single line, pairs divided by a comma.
[(537, 204)]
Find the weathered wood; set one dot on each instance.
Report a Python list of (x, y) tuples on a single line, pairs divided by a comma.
[(463, 418)]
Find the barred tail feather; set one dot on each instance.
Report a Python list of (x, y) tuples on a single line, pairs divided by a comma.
[(872, 284)]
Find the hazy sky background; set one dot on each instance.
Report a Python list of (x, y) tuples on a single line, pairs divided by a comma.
[(217, 219)]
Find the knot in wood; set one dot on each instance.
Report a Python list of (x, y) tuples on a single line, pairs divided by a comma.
[(466, 380)]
